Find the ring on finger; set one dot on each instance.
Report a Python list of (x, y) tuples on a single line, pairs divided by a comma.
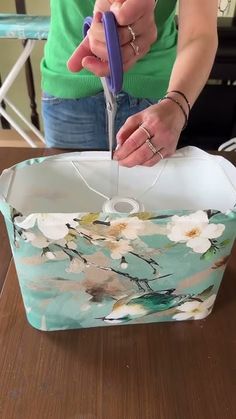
[(152, 147), (160, 154), (146, 132), (135, 48), (132, 33)]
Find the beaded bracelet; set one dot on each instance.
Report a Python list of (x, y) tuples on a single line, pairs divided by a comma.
[(180, 106), (183, 96)]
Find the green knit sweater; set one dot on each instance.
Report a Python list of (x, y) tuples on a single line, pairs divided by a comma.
[(147, 79)]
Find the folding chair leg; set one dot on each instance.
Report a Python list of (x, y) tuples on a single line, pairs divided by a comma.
[(17, 128), (228, 145), (7, 83), (4, 123), (27, 123), (6, 86)]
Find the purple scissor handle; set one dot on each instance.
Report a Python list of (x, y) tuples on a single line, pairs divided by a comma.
[(112, 84), (115, 80)]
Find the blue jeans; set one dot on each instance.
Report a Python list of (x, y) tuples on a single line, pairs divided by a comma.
[(82, 123)]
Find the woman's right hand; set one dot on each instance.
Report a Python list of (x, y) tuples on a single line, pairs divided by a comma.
[(92, 52)]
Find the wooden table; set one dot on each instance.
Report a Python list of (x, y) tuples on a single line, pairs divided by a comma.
[(183, 370)]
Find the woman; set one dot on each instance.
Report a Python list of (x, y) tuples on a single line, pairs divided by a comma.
[(149, 120)]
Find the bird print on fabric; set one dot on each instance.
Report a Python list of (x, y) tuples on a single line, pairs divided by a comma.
[(135, 306)]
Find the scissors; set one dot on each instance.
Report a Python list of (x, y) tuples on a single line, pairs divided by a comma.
[(112, 84)]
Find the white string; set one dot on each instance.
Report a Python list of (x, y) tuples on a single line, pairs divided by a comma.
[(86, 183)]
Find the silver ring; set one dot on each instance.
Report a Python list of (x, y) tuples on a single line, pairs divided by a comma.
[(135, 48), (160, 155), (132, 33), (146, 132), (152, 147)]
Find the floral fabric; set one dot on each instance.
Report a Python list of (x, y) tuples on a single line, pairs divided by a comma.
[(95, 269)]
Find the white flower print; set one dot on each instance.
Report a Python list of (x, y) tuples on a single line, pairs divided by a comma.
[(194, 230), (28, 236), (127, 228), (124, 265), (196, 310), (37, 240), (118, 248), (50, 256), (53, 226)]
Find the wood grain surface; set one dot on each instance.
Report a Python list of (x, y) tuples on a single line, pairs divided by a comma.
[(184, 370)]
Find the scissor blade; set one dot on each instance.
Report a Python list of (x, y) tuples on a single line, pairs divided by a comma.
[(111, 107)]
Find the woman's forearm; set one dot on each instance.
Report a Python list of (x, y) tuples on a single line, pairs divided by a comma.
[(197, 45), (193, 65)]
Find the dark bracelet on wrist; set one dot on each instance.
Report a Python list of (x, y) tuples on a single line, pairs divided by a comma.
[(183, 96), (180, 106)]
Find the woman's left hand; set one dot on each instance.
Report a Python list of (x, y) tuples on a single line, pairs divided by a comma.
[(150, 135)]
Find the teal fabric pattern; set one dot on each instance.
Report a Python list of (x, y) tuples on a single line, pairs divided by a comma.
[(24, 26), (94, 269)]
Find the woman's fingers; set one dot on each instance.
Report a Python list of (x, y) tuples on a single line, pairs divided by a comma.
[(128, 53), (131, 10), (74, 63), (134, 142), (135, 42), (132, 139), (137, 32), (145, 28), (99, 51), (96, 66), (149, 136), (157, 157), (139, 28), (130, 125), (139, 156)]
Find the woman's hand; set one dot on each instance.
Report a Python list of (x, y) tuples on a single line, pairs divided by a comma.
[(137, 32), (161, 124)]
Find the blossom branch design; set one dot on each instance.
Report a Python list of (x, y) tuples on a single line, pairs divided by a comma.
[(138, 281), (150, 261), (16, 230)]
